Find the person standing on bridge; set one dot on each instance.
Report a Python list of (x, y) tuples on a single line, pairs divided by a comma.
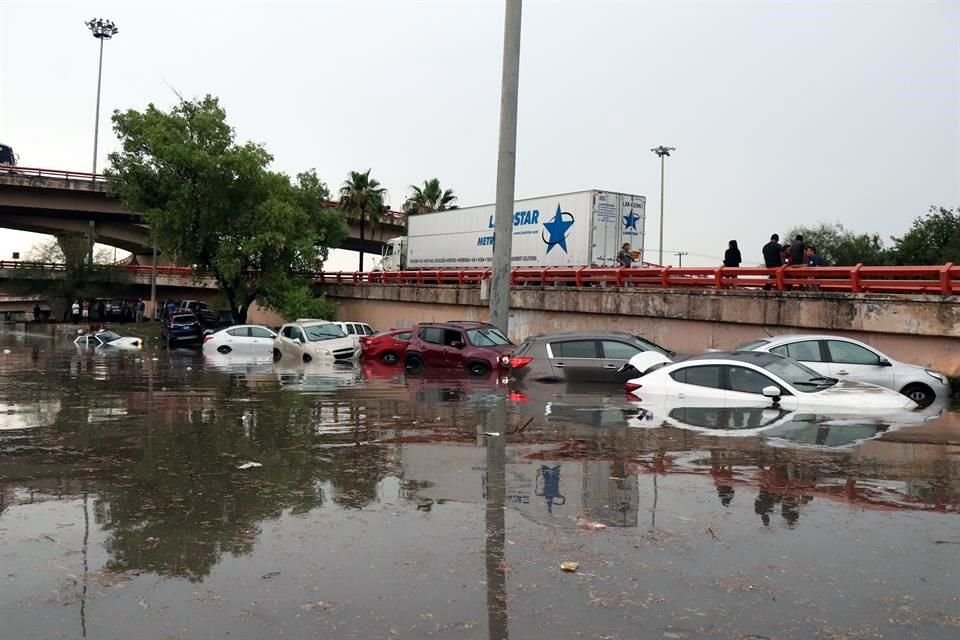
[(141, 307), (75, 311), (732, 257), (798, 251), (625, 257), (773, 253)]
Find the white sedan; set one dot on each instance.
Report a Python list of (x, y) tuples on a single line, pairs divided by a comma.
[(848, 359), (753, 378), (109, 339), (247, 339)]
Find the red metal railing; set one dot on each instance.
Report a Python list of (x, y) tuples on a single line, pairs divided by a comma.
[(935, 280), (52, 173), (7, 265)]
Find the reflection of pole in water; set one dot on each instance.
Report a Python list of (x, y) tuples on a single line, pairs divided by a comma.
[(86, 568), (496, 524), (653, 511)]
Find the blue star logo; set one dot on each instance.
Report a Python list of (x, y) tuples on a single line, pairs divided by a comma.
[(558, 228), (630, 221)]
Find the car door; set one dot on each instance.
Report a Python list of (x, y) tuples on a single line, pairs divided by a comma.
[(260, 339), (290, 341), (576, 360), (703, 382), (744, 388), (851, 361), (617, 353), (454, 345), (431, 339), (810, 352)]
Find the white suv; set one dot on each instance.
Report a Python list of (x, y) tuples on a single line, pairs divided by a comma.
[(356, 328), (320, 340)]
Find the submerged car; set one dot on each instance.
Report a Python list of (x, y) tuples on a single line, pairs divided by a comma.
[(848, 359), (108, 339), (388, 347), (181, 328), (753, 378), (476, 347), (580, 356), (308, 340), (243, 338)]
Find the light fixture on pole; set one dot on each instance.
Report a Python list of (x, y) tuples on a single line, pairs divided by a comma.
[(101, 30), (663, 152), (680, 255)]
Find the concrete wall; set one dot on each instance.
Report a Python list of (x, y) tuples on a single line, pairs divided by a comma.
[(918, 329)]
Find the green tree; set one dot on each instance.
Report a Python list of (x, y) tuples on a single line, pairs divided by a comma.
[(838, 246), (932, 239), (212, 203), (429, 198), (363, 196)]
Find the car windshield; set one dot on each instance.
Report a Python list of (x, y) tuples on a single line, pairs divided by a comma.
[(653, 346), (801, 377), (320, 332), (107, 336), (750, 346), (486, 337)]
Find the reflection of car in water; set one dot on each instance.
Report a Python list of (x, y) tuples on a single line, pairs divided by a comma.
[(460, 387), (108, 339), (316, 376), (585, 404)]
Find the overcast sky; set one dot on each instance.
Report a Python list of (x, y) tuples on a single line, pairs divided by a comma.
[(782, 113)]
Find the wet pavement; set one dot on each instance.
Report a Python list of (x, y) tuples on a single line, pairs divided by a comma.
[(383, 509)]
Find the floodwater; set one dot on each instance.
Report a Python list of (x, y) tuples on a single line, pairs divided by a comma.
[(383, 509)]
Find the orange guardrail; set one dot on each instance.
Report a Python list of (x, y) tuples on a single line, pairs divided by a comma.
[(37, 172), (941, 280)]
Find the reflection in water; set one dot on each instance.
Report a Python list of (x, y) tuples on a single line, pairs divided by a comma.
[(152, 444)]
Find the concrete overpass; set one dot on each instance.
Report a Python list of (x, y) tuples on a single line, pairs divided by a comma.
[(78, 204)]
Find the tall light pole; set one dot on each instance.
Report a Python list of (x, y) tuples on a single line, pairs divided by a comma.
[(506, 169), (663, 152), (101, 30)]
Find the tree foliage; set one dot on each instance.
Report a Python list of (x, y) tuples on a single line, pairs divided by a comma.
[(213, 203), (429, 198), (932, 239), (838, 246), (363, 197)]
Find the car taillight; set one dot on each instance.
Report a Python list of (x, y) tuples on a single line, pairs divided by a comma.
[(518, 396), (632, 386), (207, 339), (517, 362)]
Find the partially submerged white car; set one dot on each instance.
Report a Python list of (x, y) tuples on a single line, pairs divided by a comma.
[(108, 339), (320, 340), (753, 378)]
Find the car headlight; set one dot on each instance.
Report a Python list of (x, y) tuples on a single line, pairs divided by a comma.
[(324, 352), (936, 375)]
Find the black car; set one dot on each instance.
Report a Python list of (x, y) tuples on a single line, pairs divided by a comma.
[(181, 329), (580, 356)]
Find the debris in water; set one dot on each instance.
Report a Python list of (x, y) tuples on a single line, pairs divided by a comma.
[(569, 566), (593, 526), (6, 350), (492, 433), (250, 465)]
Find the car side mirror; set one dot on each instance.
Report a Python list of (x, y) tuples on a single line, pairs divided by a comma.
[(883, 362), (772, 392)]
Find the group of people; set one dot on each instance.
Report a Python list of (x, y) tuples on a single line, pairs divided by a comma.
[(81, 311), (776, 255)]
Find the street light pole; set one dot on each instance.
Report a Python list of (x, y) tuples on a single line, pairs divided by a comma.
[(663, 152), (506, 169), (101, 30), (680, 255)]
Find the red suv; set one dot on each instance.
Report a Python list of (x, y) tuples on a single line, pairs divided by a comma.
[(477, 347)]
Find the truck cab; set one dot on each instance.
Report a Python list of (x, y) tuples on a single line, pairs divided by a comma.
[(394, 256), (7, 156)]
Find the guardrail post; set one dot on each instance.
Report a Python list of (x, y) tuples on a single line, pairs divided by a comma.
[(718, 277), (665, 277), (578, 278), (855, 278), (513, 276), (780, 277), (945, 288)]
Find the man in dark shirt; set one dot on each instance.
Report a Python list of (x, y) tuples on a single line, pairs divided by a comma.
[(773, 253), (625, 257), (798, 251)]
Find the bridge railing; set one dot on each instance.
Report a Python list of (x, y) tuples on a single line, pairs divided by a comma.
[(933, 280), (23, 265), (52, 173)]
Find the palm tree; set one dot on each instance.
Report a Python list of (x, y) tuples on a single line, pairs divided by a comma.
[(362, 196), (428, 198)]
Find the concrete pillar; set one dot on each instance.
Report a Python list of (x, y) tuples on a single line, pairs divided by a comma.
[(75, 248)]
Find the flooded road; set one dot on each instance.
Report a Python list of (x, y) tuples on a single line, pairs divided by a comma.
[(157, 495)]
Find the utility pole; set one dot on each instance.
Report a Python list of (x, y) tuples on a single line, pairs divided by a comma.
[(506, 169), (680, 255), (663, 152), (101, 30)]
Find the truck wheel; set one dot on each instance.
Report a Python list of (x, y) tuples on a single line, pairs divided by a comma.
[(919, 393), (414, 364), (390, 357), (277, 355), (478, 369)]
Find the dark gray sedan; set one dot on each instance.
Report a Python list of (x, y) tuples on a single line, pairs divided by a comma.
[(581, 356)]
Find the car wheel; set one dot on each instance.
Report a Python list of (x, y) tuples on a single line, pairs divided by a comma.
[(277, 355), (390, 357), (478, 369), (224, 349), (414, 364), (307, 357), (919, 393)]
